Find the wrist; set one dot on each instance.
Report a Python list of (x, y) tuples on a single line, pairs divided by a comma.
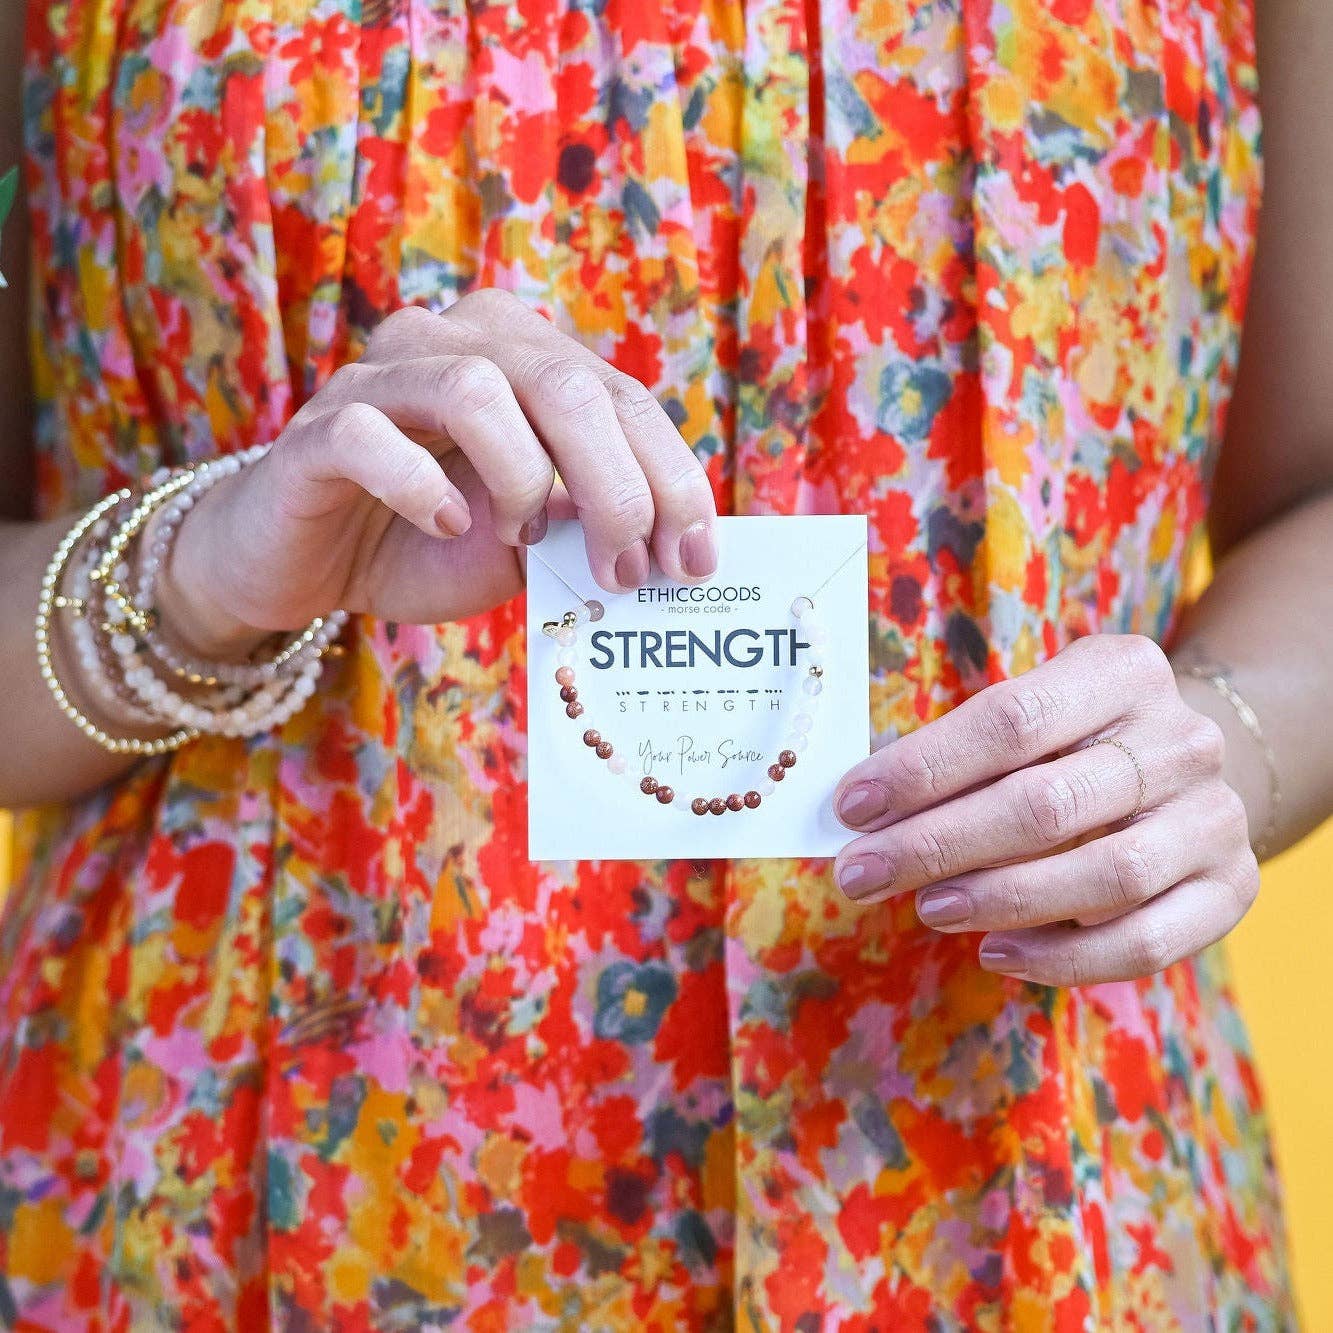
[(1247, 764), (190, 613)]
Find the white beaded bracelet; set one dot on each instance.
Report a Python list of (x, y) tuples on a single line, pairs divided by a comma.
[(116, 637), (311, 642), (49, 599)]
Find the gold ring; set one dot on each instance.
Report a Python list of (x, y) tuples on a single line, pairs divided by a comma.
[(1138, 771)]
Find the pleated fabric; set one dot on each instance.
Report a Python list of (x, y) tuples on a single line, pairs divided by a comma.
[(292, 1034)]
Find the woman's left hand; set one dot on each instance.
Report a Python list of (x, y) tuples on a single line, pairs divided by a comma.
[(1008, 815)]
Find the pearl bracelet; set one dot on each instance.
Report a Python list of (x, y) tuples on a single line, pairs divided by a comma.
[(311, 642), (95, 659), (116, 633), (49, 600)]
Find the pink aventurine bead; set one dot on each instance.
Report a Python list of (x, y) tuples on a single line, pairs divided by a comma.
[(565, 676)]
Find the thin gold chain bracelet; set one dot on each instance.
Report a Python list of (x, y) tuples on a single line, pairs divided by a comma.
[(1250, 721)]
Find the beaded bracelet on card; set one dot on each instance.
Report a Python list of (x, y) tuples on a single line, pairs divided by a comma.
[(565, 633)]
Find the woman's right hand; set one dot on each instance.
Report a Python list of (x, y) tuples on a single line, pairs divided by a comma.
[(403, 486)]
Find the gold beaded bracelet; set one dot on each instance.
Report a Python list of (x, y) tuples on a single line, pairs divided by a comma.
[(1250, 721), (104, 572), (145, 621), (50, 599)]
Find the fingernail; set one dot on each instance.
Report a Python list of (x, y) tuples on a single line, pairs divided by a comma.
[(698, 550), (943, 907), (862, 802), (1001, 956), (533, 530), (632, 565), (862, 874), (452, 518)]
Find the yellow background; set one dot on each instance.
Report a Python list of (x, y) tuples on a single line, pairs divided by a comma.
[(1280, 954)]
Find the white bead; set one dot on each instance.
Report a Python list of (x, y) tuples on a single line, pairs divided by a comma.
[(617, 764), (566, 657), (802, 723), (816, 635), (802, 607), (812, 685), (767, 787), (797, 741), (565, 636)]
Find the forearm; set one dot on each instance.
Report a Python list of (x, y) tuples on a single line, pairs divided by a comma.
[(1267, 621), (43, 755)]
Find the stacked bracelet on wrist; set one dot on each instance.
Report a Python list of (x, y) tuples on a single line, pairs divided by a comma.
[(104, 575)]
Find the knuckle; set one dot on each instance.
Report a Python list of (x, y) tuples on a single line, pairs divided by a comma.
[(487, 304), (688, 486), (1015, 901), (1132, 880), (528, 489), (919, 767), (928, 852), (568, 388), (1078, 965), (1247, 883), (1203, 744), (1154, 949), (347, 381), (406, 323), (1144, 657), (1229, 815), (632, 400), (473, 384), (411, 468), (1023, 716), (629, 504), (350, 426), (1054, 806)]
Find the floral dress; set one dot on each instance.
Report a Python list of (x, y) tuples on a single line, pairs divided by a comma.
[(293, 1035)]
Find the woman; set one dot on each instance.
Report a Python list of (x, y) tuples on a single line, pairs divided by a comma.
[(294, 1034)]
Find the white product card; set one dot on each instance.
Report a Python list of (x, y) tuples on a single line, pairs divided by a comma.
[(701, 687)]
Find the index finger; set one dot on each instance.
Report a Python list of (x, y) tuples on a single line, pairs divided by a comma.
[(1004, 727), (629, 470)]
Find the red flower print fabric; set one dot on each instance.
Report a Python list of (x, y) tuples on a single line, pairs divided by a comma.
[(292, 1033)]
